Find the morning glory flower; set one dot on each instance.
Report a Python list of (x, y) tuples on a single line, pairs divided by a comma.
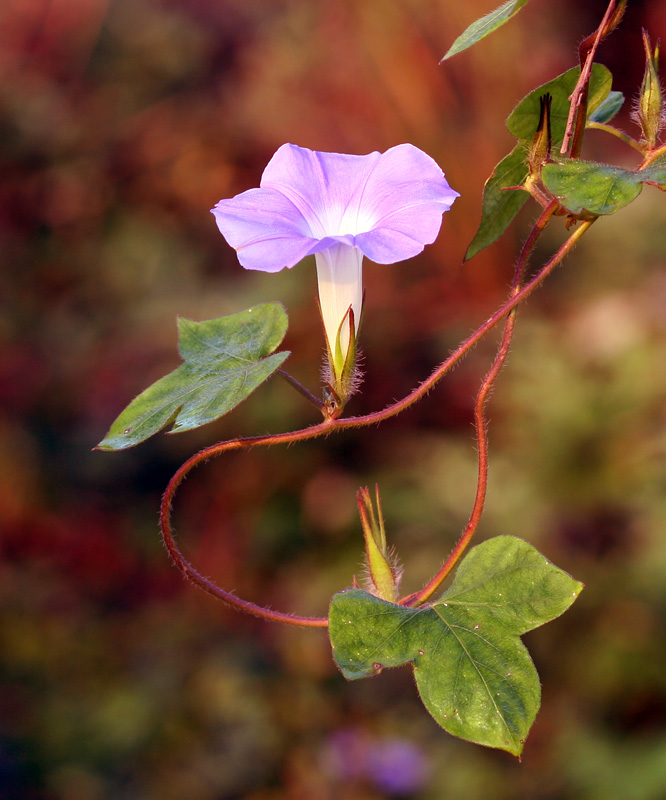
[(339, 208)]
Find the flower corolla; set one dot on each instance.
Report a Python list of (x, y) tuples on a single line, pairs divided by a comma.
[(339, 208)]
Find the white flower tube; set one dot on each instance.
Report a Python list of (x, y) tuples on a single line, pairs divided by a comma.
[(340, 279)]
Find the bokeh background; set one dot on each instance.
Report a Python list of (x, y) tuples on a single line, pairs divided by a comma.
[(122, 122)]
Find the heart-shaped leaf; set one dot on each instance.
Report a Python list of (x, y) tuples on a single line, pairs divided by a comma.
[(226, 359), (482, 27), (472, 671)]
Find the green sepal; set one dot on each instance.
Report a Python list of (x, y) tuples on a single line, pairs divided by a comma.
[(226, 359), (597, 189), (472, 671), (485, 25), (342, 368)]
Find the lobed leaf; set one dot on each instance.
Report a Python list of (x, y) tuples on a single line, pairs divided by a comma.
[(482, 27), (472, 672), (226, 359)]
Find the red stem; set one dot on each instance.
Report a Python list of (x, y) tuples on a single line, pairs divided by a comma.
[(480, 421), (326, 427), (577, 110)]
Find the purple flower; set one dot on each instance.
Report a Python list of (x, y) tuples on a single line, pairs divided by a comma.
[(394, 765), (386, 206)]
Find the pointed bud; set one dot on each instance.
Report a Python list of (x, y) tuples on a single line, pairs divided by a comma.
[(383, 574), (543, 141), (650, 108), (539, 152)]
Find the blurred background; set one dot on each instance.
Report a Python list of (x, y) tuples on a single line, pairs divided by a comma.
[(122, 122)]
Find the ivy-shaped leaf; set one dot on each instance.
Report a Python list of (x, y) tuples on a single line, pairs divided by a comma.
[(473, 673), (482, 27), (500, 204), (226, 359), (599, 189)]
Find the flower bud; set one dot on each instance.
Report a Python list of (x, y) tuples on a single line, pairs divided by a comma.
[(383, 573), (650, 107)]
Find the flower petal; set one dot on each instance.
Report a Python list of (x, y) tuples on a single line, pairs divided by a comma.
[(327, 188), (267, 230), (405, 196), (389, 205)]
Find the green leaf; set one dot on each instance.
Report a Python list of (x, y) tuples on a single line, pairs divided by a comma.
[(472, 671), (501, 202), (226, 359), (608, 109), (599, 189), (482, 27), (586, 186), (499, 206), (523, 120)]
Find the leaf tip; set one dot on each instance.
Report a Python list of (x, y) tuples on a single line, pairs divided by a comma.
[(111, 444), (469, 254)]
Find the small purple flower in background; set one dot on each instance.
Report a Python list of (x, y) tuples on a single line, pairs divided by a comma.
[(339, 208), (392, 764), (398, 767)]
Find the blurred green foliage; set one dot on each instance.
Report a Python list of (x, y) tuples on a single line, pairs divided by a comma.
[(122, 122)]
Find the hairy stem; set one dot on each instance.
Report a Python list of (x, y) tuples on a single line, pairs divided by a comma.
[(326, 427), (652, 156), (186, 567), (480, 419), (573, 135), (602, 126)]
